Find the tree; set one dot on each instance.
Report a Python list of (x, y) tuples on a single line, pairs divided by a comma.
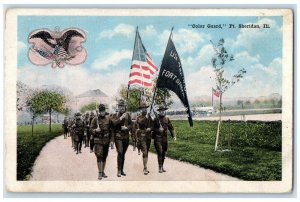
[(135, 96), (240, 102), (47, 101), (219, 60), (35, 106), (23, 94), (89, 107)]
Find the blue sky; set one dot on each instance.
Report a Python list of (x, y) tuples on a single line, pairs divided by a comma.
[(110, 41)]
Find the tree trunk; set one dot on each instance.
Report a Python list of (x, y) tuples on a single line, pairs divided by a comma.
[(50, 120), (219, 124), (32, 126)]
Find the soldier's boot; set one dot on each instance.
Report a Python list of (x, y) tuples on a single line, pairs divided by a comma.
[(160, 170), (99, 163), (100, 176), (134, 146), (103, 168), (163, 160), (119, 173), (122, 166), (139, 151), (112, 145), (145, 159), (76, 149)]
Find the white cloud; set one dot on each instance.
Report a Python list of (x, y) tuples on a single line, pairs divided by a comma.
[(250, 38), (200, 82), (21, 46), (112, 59), (149, 30), (186, 41), (259, 79), (203, 58), (121, 29), (75, 78)]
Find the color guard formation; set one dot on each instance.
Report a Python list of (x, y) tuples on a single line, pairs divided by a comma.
[(102, 131)]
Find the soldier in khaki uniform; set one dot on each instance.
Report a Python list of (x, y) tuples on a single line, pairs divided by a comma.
[(78, 133), (86, 129), (122, 125), (101, 127), (144, 134), (161, 125), (71, 129), (133, 134), (65, 127), (92, 116), (112, 138)]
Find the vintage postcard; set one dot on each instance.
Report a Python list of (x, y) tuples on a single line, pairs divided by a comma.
[(149, 100)]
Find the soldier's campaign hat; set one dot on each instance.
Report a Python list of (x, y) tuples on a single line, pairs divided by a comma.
[(78, 114), (101, 107), (144, 105), (121, 102), (87, 113), (162, 108)]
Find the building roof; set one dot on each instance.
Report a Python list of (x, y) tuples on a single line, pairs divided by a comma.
[(92, 93)]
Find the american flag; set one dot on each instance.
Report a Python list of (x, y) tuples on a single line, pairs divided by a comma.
[(216, 93), (60, 52), (142, 67)]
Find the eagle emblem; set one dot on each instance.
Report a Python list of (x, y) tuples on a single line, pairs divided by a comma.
[(57, 48)]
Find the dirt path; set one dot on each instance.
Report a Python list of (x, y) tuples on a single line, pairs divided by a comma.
[(57, 161)]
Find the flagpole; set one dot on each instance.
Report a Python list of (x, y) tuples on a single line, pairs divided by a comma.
[(164, 55), (141, 70), (153, 97)]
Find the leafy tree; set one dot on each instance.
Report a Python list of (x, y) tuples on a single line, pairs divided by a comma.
[(35, 106), (89, 107), (280, 103), (136, 95), (47, 101), (256, 102), (23, 93), (220, 58), (240, 102), (67, 111)]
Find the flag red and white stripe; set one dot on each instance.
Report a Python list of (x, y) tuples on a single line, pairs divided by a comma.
[(216, 93), (142, 67)]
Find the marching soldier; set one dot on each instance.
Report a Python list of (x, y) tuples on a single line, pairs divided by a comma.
[(112, 138), (161, 125), (65, 127), (78, 128), (71, 122), (92, 116), (122, 125), (87, 129), (133, 134), (101, 131), (144, 134)]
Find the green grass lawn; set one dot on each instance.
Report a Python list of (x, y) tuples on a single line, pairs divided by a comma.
[(29, 147), (255, 148)]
